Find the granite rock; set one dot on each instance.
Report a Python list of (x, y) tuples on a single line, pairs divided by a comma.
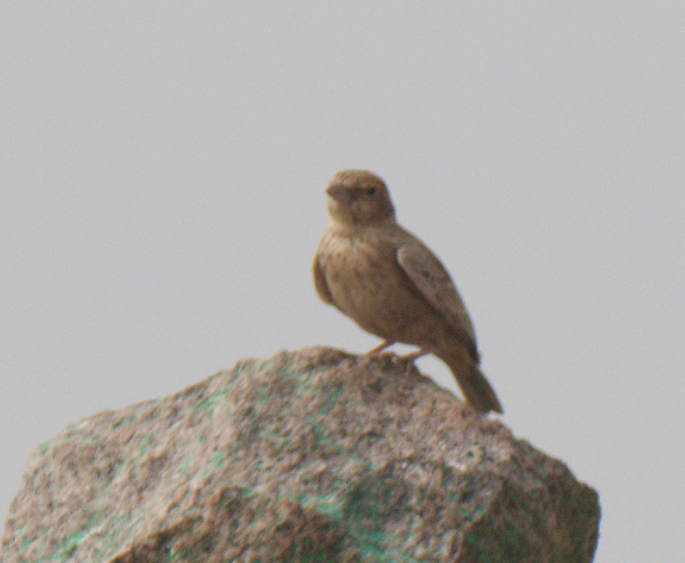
[(316, 455)]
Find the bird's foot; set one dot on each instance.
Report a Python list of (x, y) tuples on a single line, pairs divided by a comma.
[(415, 355), (382, 346)]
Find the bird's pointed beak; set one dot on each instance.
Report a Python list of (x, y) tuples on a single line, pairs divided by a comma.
[(338, 193)]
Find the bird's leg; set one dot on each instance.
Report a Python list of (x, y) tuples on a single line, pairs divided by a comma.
[(382, 346), (415, 355)]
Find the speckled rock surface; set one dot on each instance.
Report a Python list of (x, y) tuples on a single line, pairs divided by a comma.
[(315, 455)]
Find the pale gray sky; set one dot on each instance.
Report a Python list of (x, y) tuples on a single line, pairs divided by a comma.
[(162, 169)]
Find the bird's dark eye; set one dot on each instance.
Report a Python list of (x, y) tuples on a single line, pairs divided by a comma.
[(372, 191)]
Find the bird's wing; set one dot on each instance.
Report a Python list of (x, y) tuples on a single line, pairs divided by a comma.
[(431, 278), (320, 282)]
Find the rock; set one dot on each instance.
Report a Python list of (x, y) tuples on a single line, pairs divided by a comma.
[(316, 455)]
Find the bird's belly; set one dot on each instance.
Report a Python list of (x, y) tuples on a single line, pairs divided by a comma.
[(369, 286)]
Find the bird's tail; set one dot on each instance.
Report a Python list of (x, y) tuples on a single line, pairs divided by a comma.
[(475, 387)]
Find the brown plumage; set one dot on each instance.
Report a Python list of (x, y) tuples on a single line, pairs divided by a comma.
[(392, 285)]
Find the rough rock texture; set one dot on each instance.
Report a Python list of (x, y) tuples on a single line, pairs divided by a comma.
[(310, 456)]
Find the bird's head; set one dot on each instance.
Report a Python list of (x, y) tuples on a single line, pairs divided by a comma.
[(359, 197)]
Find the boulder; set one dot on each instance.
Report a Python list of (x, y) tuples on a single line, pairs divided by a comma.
[(316, 455)]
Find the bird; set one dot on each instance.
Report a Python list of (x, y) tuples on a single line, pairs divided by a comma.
[(391, 284)]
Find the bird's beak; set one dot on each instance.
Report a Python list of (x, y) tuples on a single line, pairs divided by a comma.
[(338, 193)]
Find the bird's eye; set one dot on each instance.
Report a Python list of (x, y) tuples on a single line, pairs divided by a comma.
[(372, 191)]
